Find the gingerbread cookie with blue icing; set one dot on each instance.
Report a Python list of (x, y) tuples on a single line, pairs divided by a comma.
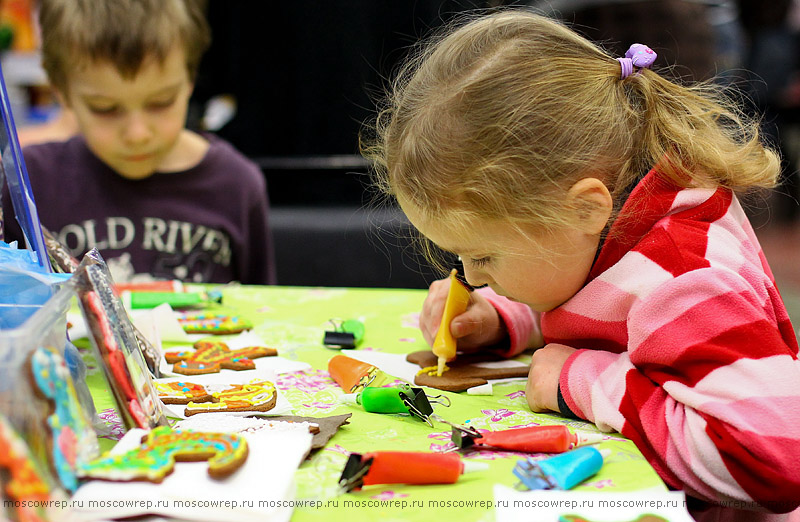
[(181, 392), (71, 438), (162, 447)]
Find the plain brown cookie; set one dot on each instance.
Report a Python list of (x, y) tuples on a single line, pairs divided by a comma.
[(463, 374), (327, 427)]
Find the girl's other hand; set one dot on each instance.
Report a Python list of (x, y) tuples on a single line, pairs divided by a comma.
[(541, 390), (478, 327)]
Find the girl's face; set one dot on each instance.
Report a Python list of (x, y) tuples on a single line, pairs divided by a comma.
[(132, 124), (542, 270)]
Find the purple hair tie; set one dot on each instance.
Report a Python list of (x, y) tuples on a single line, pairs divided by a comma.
[(639, 56)]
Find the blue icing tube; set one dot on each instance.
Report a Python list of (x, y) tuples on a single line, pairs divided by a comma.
[(564, 471)]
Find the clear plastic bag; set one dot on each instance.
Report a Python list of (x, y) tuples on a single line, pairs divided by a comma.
[(39, 396), (116, 347)]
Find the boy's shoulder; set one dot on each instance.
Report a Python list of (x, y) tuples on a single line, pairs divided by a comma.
[(223, 153), (58, 155)]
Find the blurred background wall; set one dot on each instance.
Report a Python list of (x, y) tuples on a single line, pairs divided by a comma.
[(291, 84)]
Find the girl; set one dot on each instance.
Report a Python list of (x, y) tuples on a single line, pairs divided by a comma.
[(595, 199)]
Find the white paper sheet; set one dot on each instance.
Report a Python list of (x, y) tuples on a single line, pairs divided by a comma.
[(258, 489), (546, 506)]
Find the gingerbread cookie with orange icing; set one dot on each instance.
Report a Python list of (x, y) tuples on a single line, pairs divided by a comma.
[(213, 356), (255, 396), (181, 392), (161, 448)]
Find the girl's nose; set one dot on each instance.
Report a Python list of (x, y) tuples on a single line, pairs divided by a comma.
[(475, 277)]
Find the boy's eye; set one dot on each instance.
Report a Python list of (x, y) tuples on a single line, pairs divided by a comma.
[(161, 104), (103, 109)]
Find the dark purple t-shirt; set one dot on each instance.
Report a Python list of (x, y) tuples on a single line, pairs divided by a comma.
[(208, 224)]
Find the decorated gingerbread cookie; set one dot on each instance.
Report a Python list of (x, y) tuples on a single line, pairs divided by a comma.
[(214, 324), (255, 396), (212, 356), (161, 448), (181, 392), (25, 488), (463, 373), (72, 438)]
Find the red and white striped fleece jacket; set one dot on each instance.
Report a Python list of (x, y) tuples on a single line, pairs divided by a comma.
[(685, 347)]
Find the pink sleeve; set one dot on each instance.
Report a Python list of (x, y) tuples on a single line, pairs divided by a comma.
[(522, 322), (708, 389)]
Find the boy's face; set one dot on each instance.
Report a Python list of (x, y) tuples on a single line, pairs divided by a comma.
[(131, 124)]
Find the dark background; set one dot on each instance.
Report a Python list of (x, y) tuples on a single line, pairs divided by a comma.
[(306, 76)]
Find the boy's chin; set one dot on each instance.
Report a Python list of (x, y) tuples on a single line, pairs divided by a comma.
[(135, 175)]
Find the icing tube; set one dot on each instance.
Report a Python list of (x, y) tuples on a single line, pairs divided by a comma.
[(538, 439), (394, 399), (150, 286), (444, 345), (563, 471), (404, 467), (378, 400), (135, 300), (354, 375)]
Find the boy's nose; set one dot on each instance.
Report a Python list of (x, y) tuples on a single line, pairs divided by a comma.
[(137, 130)]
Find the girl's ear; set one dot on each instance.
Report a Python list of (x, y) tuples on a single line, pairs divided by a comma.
[(593, 204)]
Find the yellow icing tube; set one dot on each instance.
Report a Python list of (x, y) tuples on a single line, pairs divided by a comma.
[(444, 345)]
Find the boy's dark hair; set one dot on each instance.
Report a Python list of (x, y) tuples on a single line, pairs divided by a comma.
[(121, 32)]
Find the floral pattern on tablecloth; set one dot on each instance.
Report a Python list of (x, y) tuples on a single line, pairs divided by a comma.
[(113, 424)]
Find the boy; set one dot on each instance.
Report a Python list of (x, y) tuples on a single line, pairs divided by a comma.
[(152, 196)]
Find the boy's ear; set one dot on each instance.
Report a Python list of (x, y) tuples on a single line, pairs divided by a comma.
[(63, 100), (593, 204)]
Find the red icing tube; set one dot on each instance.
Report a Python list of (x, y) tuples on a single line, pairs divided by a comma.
[(408, 467), (537, 439)]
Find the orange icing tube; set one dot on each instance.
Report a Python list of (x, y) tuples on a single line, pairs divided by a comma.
[(444, 345), (354, 375), (534, 439), (404, 467)]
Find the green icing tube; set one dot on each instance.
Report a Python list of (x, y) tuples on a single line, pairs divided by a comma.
[(383, 400)]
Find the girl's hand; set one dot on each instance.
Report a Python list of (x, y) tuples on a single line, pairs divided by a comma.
[(546, 364), (479, 326)]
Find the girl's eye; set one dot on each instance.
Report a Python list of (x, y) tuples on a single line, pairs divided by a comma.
[(479, 262)]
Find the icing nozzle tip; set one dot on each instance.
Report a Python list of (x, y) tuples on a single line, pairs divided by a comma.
[(585, 438)]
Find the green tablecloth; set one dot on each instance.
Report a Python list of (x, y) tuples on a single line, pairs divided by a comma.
[(293, 320)]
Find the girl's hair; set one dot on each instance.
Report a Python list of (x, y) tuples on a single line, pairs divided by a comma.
[(499, 116), (121, 32)]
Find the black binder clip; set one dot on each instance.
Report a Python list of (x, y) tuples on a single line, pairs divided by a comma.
[(419, 404), (345, 334), (464, 437), (352, 478)]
